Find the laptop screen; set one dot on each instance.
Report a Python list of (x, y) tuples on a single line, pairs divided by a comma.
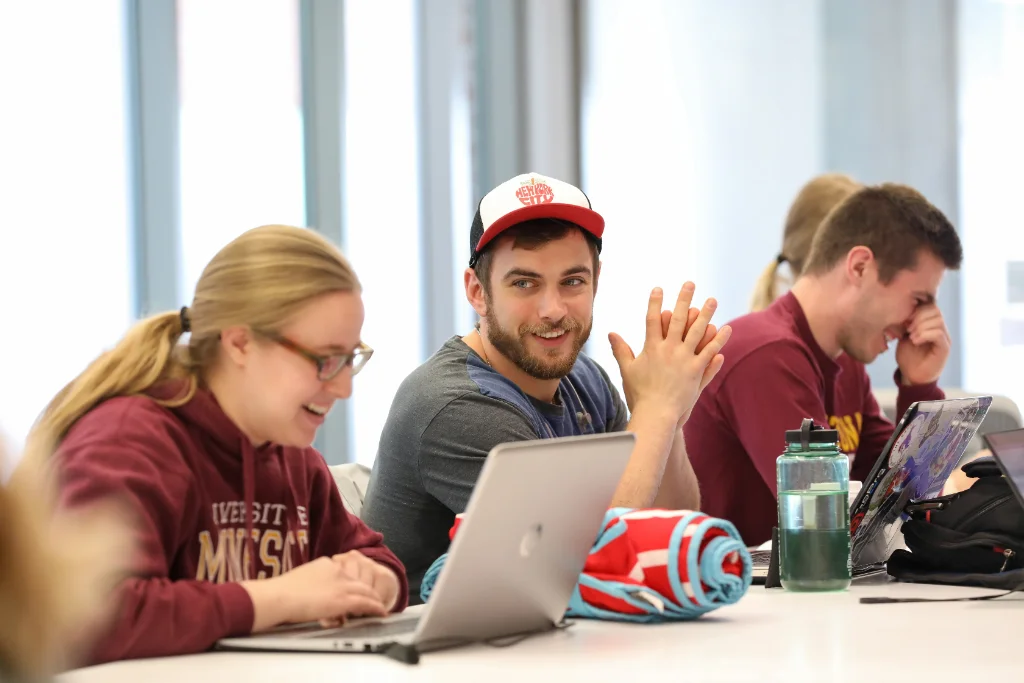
[(1008, 450), (923, 452)]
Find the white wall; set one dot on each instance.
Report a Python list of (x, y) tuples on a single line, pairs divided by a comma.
[(991, 98)]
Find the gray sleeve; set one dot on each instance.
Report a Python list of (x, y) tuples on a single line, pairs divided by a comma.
[(618, 421), (456, 442)]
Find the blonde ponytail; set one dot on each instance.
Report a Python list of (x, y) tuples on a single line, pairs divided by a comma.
[(767, 288), (143, 357), (814, 201)]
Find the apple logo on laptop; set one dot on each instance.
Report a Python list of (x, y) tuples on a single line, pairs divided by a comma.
[(530, 540)]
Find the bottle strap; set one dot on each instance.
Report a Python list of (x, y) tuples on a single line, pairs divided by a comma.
[(805, 433)]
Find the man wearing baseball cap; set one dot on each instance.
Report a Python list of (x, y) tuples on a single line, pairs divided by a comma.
[(520, 375)]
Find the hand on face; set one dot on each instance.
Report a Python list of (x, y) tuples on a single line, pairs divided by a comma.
[(680, 356), (923, 351)]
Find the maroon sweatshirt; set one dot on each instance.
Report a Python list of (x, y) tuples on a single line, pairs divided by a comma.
[(774, 376), (200, 489)]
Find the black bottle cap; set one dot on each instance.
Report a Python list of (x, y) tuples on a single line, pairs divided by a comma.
[(811, 433)]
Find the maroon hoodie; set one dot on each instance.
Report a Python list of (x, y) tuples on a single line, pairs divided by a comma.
[(190, 475)]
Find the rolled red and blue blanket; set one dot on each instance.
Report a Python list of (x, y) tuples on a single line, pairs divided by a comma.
[(651, 566)]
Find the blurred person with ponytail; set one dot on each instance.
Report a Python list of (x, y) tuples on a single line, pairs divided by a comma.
[(814, 201), (208, 440)]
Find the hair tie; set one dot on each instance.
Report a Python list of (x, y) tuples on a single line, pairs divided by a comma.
[(186, 324), (780, 259)]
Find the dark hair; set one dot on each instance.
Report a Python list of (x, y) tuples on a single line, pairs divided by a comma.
[(531, 234), (894, 221)]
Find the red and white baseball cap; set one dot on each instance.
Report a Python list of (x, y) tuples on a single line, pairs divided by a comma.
[(525, 198)]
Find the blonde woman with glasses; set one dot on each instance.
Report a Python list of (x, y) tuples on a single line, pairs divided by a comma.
[(207, 439)]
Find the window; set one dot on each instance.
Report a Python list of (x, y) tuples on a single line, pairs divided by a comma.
[(462, 201), (382, 217), (241, 123), (627, 64), (991, 146), (65, 279), (699, 121)]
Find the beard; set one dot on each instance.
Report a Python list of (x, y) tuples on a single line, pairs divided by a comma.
[(545, 367)]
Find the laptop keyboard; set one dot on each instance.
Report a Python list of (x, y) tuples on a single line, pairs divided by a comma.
[(760, 557), (379, 630)]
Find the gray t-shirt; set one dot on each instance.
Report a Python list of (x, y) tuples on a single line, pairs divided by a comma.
[(447, 416)]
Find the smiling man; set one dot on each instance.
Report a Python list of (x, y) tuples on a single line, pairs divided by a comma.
[(870, 279), (520, 375)]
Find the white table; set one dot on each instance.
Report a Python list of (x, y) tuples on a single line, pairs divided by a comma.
[(769, 635)]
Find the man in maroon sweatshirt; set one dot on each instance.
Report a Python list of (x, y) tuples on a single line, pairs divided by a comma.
[(871, 278)]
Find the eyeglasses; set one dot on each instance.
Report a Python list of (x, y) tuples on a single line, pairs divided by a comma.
[(327, 367)]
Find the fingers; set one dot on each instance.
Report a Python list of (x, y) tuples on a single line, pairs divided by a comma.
[(654, 317), (356, 566), (691, 317), (925, 311), (925, 316), (666, 319), (358, 586), (696, 332), (385, 582), (350, 596), (715, 346), (939, 337), (709, 334), (620, 349), (360, 606), (677, 326), (711, 370), (918, 329)]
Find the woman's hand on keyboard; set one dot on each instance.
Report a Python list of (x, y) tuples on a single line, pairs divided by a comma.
[(361, 568), (320, 590)]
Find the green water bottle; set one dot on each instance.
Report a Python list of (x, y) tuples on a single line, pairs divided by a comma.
[(814, 511)]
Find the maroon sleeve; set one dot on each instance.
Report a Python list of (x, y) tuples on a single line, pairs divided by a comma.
[(126, 459), (782, 372), (914, 393), (335, 530), (877, 428)]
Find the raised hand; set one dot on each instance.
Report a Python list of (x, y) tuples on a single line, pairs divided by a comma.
[(691, 317), (923, 351), (677, 361)]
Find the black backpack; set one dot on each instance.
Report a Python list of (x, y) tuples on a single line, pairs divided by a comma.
[(971, 538)]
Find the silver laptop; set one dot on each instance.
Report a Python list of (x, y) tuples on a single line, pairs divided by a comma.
[(531, 521)]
